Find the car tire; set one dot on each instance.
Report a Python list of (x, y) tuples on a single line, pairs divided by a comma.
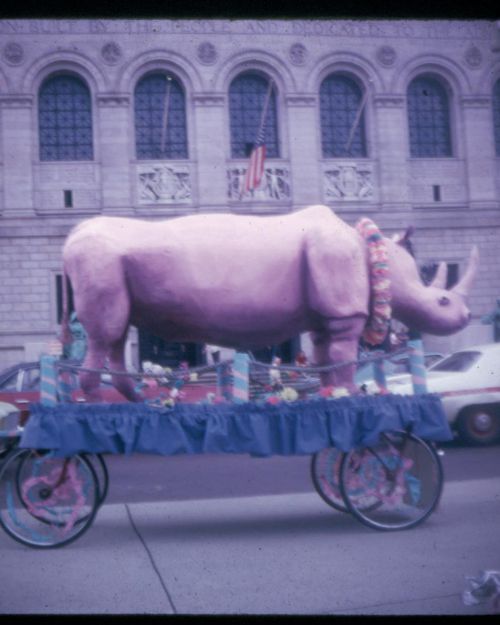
[(479, 425)]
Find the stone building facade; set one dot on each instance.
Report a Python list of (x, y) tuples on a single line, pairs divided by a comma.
[(451, 196)]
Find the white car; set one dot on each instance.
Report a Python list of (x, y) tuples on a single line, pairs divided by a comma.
[(468, 382)]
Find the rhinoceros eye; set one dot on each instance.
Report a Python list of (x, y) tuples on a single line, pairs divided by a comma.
[(444, 301)]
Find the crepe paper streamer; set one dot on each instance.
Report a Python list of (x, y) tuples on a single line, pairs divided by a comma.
[(64, 386), (240, 377), (379, 374), (417, 366), (224, 381), (48, 380)]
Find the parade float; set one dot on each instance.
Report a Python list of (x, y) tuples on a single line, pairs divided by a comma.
[(241, 282)]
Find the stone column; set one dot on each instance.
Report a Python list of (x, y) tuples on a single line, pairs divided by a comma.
[(479, 151), (391, 124), (16, 136), (209, 148), (305, 152), (116, 152)]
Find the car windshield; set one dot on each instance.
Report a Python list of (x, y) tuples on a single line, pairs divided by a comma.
[(459, 361)]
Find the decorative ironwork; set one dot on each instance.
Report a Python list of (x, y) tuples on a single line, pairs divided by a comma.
[(348, 181), (247, 94), (340, 100), (428, 118), (164, 184), (274, 186), (65, 119), (154, 96), (496, 115)]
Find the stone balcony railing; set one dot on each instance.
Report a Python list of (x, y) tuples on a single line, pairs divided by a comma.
[(163, 183), (274, 186), (348, 180)]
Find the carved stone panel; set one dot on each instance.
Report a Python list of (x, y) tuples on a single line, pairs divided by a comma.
[(164, 184), (274, 185), (13, 53), (348, 181)]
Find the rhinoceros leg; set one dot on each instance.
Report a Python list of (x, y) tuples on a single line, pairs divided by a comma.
[(94, 359), (337, 343), (122, 383)]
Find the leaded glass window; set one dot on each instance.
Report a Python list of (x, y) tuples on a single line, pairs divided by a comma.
[(65, 119), (247, 97), (496, 115), (342, 127), (160, 118), (428, 118)]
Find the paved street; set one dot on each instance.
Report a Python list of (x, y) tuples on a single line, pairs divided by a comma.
[(187, 549)]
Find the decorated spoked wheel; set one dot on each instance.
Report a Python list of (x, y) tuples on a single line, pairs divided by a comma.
[(47, 501), (394, 484), (325, 474)]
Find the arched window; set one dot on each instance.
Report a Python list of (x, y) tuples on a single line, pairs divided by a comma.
[(65, 119), (247, 97), (341, 117), (428, 118), (496, 115), (160, 118)]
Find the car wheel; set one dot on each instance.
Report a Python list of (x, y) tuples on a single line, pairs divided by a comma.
[(479, 425)]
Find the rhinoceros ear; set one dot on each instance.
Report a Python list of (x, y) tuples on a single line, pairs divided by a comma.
[(404, 239)]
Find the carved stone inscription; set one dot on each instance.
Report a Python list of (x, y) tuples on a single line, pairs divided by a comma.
[(431, 29), (164, 184)]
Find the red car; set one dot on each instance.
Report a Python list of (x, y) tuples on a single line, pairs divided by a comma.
[(20, 386)]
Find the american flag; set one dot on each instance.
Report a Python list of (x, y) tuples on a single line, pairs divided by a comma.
[(256, 164)]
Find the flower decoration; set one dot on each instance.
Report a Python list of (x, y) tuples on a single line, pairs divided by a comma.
[(332, 392), (289, 394), (377, 325)]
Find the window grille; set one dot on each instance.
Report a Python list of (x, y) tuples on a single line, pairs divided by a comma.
[(496, 116), (247, 95), (340, 101), (160, 118), (65, 119), (428, 118)]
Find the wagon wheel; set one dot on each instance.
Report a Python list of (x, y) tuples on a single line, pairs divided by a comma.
[(394, 484), (47, 501)]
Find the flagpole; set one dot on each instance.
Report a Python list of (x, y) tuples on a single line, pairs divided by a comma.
[(356, 121), (266, 106), (165, 116)]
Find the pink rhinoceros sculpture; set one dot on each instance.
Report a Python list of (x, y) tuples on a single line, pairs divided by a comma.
[(242, 282)]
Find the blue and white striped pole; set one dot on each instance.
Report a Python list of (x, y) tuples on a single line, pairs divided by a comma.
[(48, 380), (240, 377), (417, 365)]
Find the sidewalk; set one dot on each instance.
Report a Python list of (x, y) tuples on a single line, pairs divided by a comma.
[(286, 554)]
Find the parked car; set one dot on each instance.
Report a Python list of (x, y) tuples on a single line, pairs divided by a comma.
[(468, 382), (393, 365), (20, 386)]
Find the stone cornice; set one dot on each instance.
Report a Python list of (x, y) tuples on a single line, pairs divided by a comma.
[(301, 99), (209, 99), (113, 100), (389, 101), (16, 101)]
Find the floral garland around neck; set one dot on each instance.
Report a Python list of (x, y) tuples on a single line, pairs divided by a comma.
[(378, 322)]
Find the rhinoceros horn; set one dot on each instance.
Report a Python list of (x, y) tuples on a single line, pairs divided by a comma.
[(439, 281), (463, 286)]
